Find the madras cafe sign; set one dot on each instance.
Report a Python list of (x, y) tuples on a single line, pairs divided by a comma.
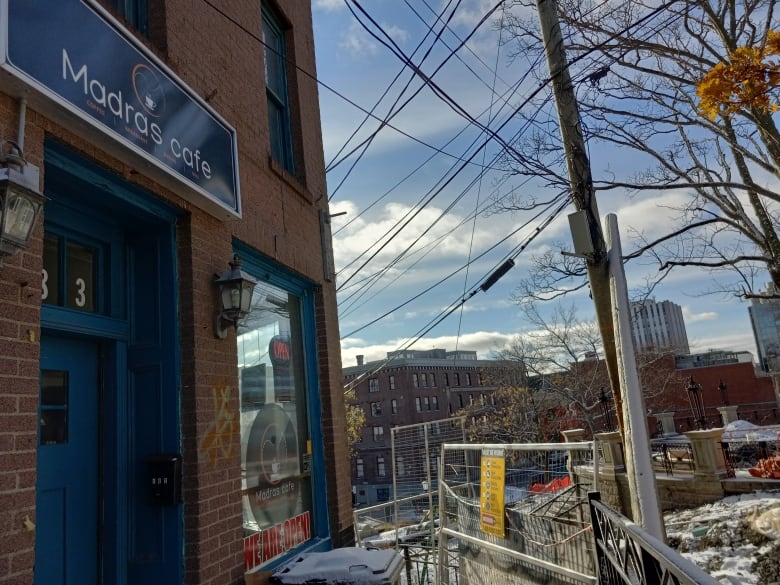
[(82, 60)]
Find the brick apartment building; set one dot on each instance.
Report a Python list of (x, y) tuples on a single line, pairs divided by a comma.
[(143, 438), (409, 387)]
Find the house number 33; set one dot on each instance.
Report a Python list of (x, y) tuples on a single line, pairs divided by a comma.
[(80, 298)]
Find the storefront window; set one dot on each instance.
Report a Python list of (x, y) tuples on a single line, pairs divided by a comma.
[(275, 443)]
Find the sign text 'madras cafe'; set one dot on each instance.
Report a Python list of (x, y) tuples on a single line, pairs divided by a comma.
[(77, 59)]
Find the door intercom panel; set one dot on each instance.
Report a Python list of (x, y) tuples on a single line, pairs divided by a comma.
[(164, 479)]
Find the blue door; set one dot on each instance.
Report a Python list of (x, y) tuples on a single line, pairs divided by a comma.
[(68, 497)]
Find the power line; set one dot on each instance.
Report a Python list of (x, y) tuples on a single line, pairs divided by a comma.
[(319, 82), (580, 57), (451, 308), (365, 144), (514, 254)]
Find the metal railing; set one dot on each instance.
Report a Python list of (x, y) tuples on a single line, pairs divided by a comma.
[(673, 456), (628, 555)]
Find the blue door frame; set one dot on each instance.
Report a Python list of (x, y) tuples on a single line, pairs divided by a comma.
[(134, 322)]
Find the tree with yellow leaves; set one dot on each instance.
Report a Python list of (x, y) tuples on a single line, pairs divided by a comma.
[(745, 82), (356, 419)]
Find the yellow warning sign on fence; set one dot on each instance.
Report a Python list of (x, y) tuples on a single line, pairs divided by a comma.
[(491, 495)]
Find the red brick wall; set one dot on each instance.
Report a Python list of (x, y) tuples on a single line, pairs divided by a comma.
[(20, 298), (220, 56)]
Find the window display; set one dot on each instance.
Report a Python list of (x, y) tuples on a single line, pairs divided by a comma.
[(275, 442)]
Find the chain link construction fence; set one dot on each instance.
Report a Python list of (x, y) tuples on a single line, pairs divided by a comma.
[(409, 522), (547, 535)]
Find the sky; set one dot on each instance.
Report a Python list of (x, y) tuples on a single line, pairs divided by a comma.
[(421, 169)]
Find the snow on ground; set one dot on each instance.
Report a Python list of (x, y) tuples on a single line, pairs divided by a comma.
[(726, 538)]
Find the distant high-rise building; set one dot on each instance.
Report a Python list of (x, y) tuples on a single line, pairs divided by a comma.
[(659, 326), (765, 319)]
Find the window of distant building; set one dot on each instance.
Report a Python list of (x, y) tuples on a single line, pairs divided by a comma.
[(460, 400), (359, 468), (415, 380), (376, 409), (424, 380), (379, 433), (382, 494), (394, 406), (380, 466), (399, 465), (426, 403), (276, 92), (433, 380), (457, 379), (468, 379), (435, 402), (446, 379), (373, 385), (418, 403), (392, 382)]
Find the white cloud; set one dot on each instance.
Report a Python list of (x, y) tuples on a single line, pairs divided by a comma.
[(363, 234), (328, 5), (360, 43), (649, 216), (357, 41), (691, 317), (398, 34), (729, 339), (483, 342)]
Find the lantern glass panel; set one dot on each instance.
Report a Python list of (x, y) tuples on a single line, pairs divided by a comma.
[(229, 296), (19, 217), (246, 296)]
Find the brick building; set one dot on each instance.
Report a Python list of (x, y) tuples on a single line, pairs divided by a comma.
[(143, 437), (409, 387), (725, 379), (722, 378)]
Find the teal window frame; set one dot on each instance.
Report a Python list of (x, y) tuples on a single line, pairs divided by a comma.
[(277, 94), (134, 11), (272, 273)]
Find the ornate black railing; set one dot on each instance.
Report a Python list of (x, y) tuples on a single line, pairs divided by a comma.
[(671, 456), (627, 555)]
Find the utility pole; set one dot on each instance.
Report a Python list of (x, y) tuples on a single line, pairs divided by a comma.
[(582, 192), (607, 283)]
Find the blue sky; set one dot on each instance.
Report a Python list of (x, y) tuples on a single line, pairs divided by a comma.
[(414, 158)]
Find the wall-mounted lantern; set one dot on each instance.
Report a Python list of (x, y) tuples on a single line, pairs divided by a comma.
[(20, 202), (235, 297)]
